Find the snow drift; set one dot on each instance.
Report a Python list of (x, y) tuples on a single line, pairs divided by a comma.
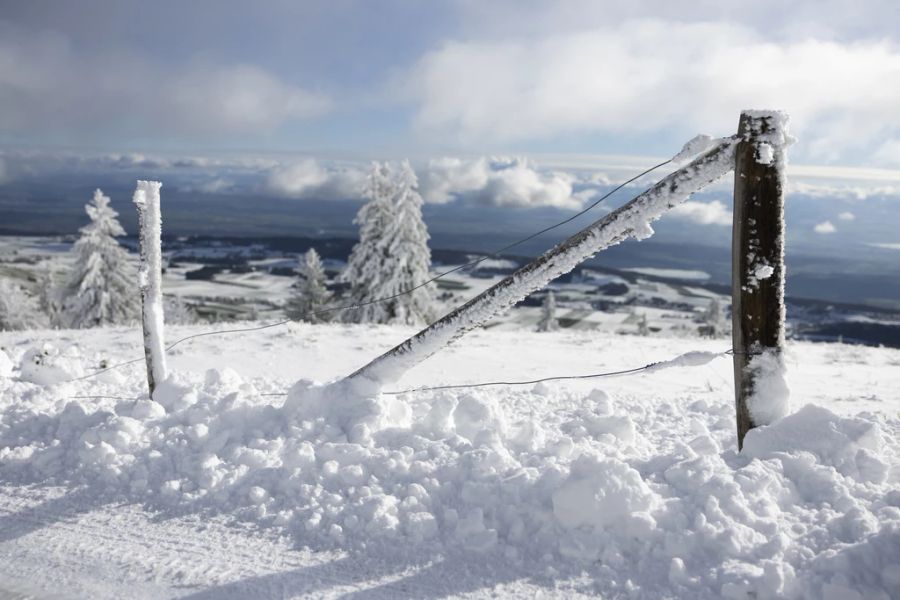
[(642, 493)]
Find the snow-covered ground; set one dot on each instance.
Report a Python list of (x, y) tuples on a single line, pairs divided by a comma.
[(623, 487)]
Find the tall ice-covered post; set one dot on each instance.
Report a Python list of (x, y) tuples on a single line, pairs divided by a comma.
[(146, 198), (757, 278)]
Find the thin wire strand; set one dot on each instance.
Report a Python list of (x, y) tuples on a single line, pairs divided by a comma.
[(531, 382), (482, 384), (359, 305)]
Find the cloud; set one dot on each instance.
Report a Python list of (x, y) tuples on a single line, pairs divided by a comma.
[(888, 153), (845, 190), (644, 76), (307, 178), (825, 227), (496, 182), (704, 213), (46, 86), (846, 216)]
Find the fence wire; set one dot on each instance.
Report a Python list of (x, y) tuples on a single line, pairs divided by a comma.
[(650, 367)]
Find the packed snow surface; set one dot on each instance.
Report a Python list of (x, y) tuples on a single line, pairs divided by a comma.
[(625, 487)]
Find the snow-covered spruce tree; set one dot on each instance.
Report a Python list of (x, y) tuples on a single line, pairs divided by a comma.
[(102, 289), (392, 255), (548, 320), (18, 309), (310, 293)]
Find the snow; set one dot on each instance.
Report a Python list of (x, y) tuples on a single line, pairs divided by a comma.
[(763, 271), (765, 154), (620, 487), (771, 395), (685, 274), (696, 145)]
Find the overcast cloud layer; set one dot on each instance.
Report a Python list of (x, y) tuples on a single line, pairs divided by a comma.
[(449, 77)]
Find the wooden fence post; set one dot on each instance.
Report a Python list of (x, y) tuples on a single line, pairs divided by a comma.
[(146, 198), (757, 278)]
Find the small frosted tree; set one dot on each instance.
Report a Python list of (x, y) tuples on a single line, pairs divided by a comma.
[(643, 328), (713, 323), (548, 320), (177, 311), (18, 309), (392, 256), (310, 293), (50, 298), (101, 289)]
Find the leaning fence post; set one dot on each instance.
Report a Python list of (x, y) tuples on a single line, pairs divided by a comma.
[(630, 220), (757, 278), (146, 198)]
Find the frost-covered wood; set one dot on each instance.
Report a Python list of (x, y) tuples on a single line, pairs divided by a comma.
[(100, 290), (631, 220), (761, 395), (146, 198)]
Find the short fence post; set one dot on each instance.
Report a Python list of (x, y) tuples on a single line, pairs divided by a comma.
[(757, 278), (146, 198)]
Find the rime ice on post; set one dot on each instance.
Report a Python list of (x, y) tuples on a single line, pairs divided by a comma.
[(146, 198), (761, 394)]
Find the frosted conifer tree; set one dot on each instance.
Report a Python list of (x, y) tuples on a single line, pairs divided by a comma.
[(713, 320), (310, 293), (50, 298), (102, 288), (177, 311), (18, 309), (643, 328), (392, 255), (548, 320)]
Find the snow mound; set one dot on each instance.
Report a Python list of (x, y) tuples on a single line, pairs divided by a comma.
[(849, 445), (48, 365), (640, 492)]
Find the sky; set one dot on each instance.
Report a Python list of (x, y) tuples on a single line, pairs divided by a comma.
[(357, 78), (517, 104)]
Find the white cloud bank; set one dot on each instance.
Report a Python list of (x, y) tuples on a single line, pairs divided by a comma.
[(496, 182), (825, 227), (647, 75), (46, 86), (307, 178), (704, 213), (510, 182)]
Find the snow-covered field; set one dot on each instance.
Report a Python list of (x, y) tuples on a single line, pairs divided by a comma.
[(624, 487)]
